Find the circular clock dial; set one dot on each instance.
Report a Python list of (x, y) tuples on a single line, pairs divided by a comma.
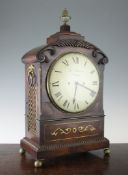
[(73, 82)]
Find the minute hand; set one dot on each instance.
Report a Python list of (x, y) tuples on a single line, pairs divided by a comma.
[(85, 87)]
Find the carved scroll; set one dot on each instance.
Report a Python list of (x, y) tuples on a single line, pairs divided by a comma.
[(42, 56), (96, 53)]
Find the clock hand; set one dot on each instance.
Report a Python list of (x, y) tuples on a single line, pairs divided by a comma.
[(85, 87), (76, 83)]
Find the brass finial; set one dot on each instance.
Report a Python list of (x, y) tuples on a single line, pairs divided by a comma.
[(65, 18)]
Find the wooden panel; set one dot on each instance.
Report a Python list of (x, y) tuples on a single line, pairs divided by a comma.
[(72, 130)]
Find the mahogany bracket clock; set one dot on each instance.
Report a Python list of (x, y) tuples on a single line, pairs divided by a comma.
[(64, 96)]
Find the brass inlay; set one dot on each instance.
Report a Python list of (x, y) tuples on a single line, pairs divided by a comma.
[(74, 130), (75, 136), (80, 129), (31, 69), (31, 75), (31, 100)]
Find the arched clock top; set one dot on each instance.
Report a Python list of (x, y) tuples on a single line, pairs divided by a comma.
[(96, 53), (38, 54), (62, 39)]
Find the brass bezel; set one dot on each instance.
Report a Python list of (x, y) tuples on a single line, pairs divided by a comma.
[(48, 76)]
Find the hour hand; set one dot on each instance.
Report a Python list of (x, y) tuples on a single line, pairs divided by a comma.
[(75, 92), (74, 100)]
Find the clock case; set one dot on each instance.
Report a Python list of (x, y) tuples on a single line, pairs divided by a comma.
[(49, 131)]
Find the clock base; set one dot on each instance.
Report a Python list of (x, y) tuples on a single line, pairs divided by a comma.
[(41, 152)]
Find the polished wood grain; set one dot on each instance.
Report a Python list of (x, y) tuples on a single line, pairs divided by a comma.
[(92, 163)]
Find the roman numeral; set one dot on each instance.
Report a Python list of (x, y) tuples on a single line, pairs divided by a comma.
[(76, 60), (85, 63), (65, 62), (56, 83), (76, 106), (58, 94), (66, 104), (58, 71), (86, 102), (60, 98), (92, 71), (94, 83), (92, 93)]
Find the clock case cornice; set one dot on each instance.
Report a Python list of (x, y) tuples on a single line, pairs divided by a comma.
[(64, 38)]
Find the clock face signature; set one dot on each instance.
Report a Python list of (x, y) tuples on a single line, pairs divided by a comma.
[(73, 82)]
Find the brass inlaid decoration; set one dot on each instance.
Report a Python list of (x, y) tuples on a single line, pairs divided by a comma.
[(72, 130), (80, 129), (31, 75), (31, 99)]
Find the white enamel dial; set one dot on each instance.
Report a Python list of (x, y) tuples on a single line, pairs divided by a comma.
[(73, 82)]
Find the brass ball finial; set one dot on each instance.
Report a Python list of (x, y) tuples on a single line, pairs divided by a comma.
[(65, 18)]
